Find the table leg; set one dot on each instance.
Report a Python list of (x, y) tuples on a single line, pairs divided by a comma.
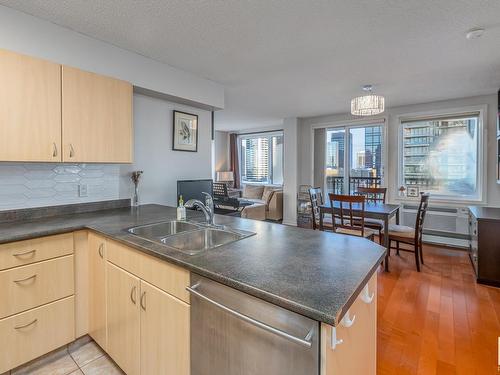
[(386, 242)]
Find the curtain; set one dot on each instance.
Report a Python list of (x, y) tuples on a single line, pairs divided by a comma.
[(235, 164)]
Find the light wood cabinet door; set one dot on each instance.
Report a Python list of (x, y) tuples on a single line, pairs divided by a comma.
[(35, 332), (166, 276), (124, 331), (164, 332), (26, 287), (21, 253), (96, 118), (30, 110), (357, 354), (97, 289)]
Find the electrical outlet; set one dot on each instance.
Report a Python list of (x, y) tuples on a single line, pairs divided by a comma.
[(82, 190)]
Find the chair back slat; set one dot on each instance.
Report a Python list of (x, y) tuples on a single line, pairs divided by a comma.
[(349, 217), (316, 197), (373, 194), (419, 221), (220, 189)]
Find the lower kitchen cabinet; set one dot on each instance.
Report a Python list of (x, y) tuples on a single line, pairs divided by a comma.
[(354, 349), (164, 332), (30, 334), (36, 284), (97, 289), (123, 313)]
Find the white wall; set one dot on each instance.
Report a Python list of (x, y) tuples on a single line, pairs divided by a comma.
[(26, 34), (290, 170), (221, 151), (153, 152), (492, 196)]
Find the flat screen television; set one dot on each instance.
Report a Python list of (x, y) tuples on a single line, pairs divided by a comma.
[(193, 189)]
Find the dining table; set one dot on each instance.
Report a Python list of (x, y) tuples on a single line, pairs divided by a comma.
[(372, 210)]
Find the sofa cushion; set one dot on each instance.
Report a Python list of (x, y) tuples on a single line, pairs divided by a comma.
[(268, 193), (253, 191), (255, 211)]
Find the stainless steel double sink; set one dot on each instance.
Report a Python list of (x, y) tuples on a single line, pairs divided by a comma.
[(189, 237)]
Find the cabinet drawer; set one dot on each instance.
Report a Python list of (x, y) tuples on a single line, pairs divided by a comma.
[(35, 332), (30, 251), (26, 287), (168, 277)]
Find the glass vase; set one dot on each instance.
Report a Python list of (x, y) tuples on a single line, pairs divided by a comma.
[(135, 198)]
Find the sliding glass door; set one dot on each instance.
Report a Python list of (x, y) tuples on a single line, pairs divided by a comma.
[(365, 156), (335, 161), (353, 158)]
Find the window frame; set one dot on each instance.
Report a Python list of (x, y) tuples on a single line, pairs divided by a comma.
[(481, 167), (347, 126), (264, 134)]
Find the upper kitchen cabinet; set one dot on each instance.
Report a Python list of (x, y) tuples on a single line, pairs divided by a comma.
[(96, 118), (30, 110)]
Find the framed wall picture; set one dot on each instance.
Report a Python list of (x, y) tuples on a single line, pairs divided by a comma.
[(185, 132), (412, 191)]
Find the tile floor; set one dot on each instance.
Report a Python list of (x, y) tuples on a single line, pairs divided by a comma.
[(82, 357)]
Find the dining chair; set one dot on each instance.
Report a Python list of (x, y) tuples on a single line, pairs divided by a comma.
[(316, 197), (374, 195), (408, 235), (348, 219)]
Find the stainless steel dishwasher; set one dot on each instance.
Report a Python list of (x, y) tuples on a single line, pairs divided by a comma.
[(233, 333)]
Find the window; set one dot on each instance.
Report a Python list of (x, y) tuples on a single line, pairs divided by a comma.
[(441, 154), (353, 158), (261, 158)]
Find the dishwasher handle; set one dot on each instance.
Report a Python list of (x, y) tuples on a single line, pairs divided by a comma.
[(304, 342)]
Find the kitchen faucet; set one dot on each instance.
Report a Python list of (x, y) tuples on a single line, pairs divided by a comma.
[(207, 208)]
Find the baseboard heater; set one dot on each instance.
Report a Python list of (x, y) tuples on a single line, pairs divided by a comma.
[(443, 225)]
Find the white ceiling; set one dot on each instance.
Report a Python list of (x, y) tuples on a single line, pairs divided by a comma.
[(299, 58)]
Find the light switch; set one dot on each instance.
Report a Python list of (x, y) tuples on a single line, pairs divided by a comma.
[(82, 190)]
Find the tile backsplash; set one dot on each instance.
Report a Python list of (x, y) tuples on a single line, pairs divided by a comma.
[(24, 185)]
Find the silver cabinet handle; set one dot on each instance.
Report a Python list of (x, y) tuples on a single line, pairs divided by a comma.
[(25, 279), (365, 296), (347, 321), (133, 295), (143, 301), (334, 341), (101, 254), (71, 151), (26, 325), (25, 253), (304, 342), (54, 150)]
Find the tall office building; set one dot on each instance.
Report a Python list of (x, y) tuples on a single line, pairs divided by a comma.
[(335, 150), (255, 155), (373, 149), (425, 166)]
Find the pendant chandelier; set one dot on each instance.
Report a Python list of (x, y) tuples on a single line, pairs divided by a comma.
[(368, 104)]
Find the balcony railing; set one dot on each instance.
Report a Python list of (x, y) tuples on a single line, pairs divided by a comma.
[(336, 184)]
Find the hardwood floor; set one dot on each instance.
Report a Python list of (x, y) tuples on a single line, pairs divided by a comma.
[(438, 321)]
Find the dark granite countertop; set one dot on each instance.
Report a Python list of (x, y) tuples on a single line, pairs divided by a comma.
[(316, 274)]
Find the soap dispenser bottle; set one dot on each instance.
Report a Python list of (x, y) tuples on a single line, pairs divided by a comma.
[(181, 210)]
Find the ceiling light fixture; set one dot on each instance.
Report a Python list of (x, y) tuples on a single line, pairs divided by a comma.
[(474, 33), (369, 104)]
